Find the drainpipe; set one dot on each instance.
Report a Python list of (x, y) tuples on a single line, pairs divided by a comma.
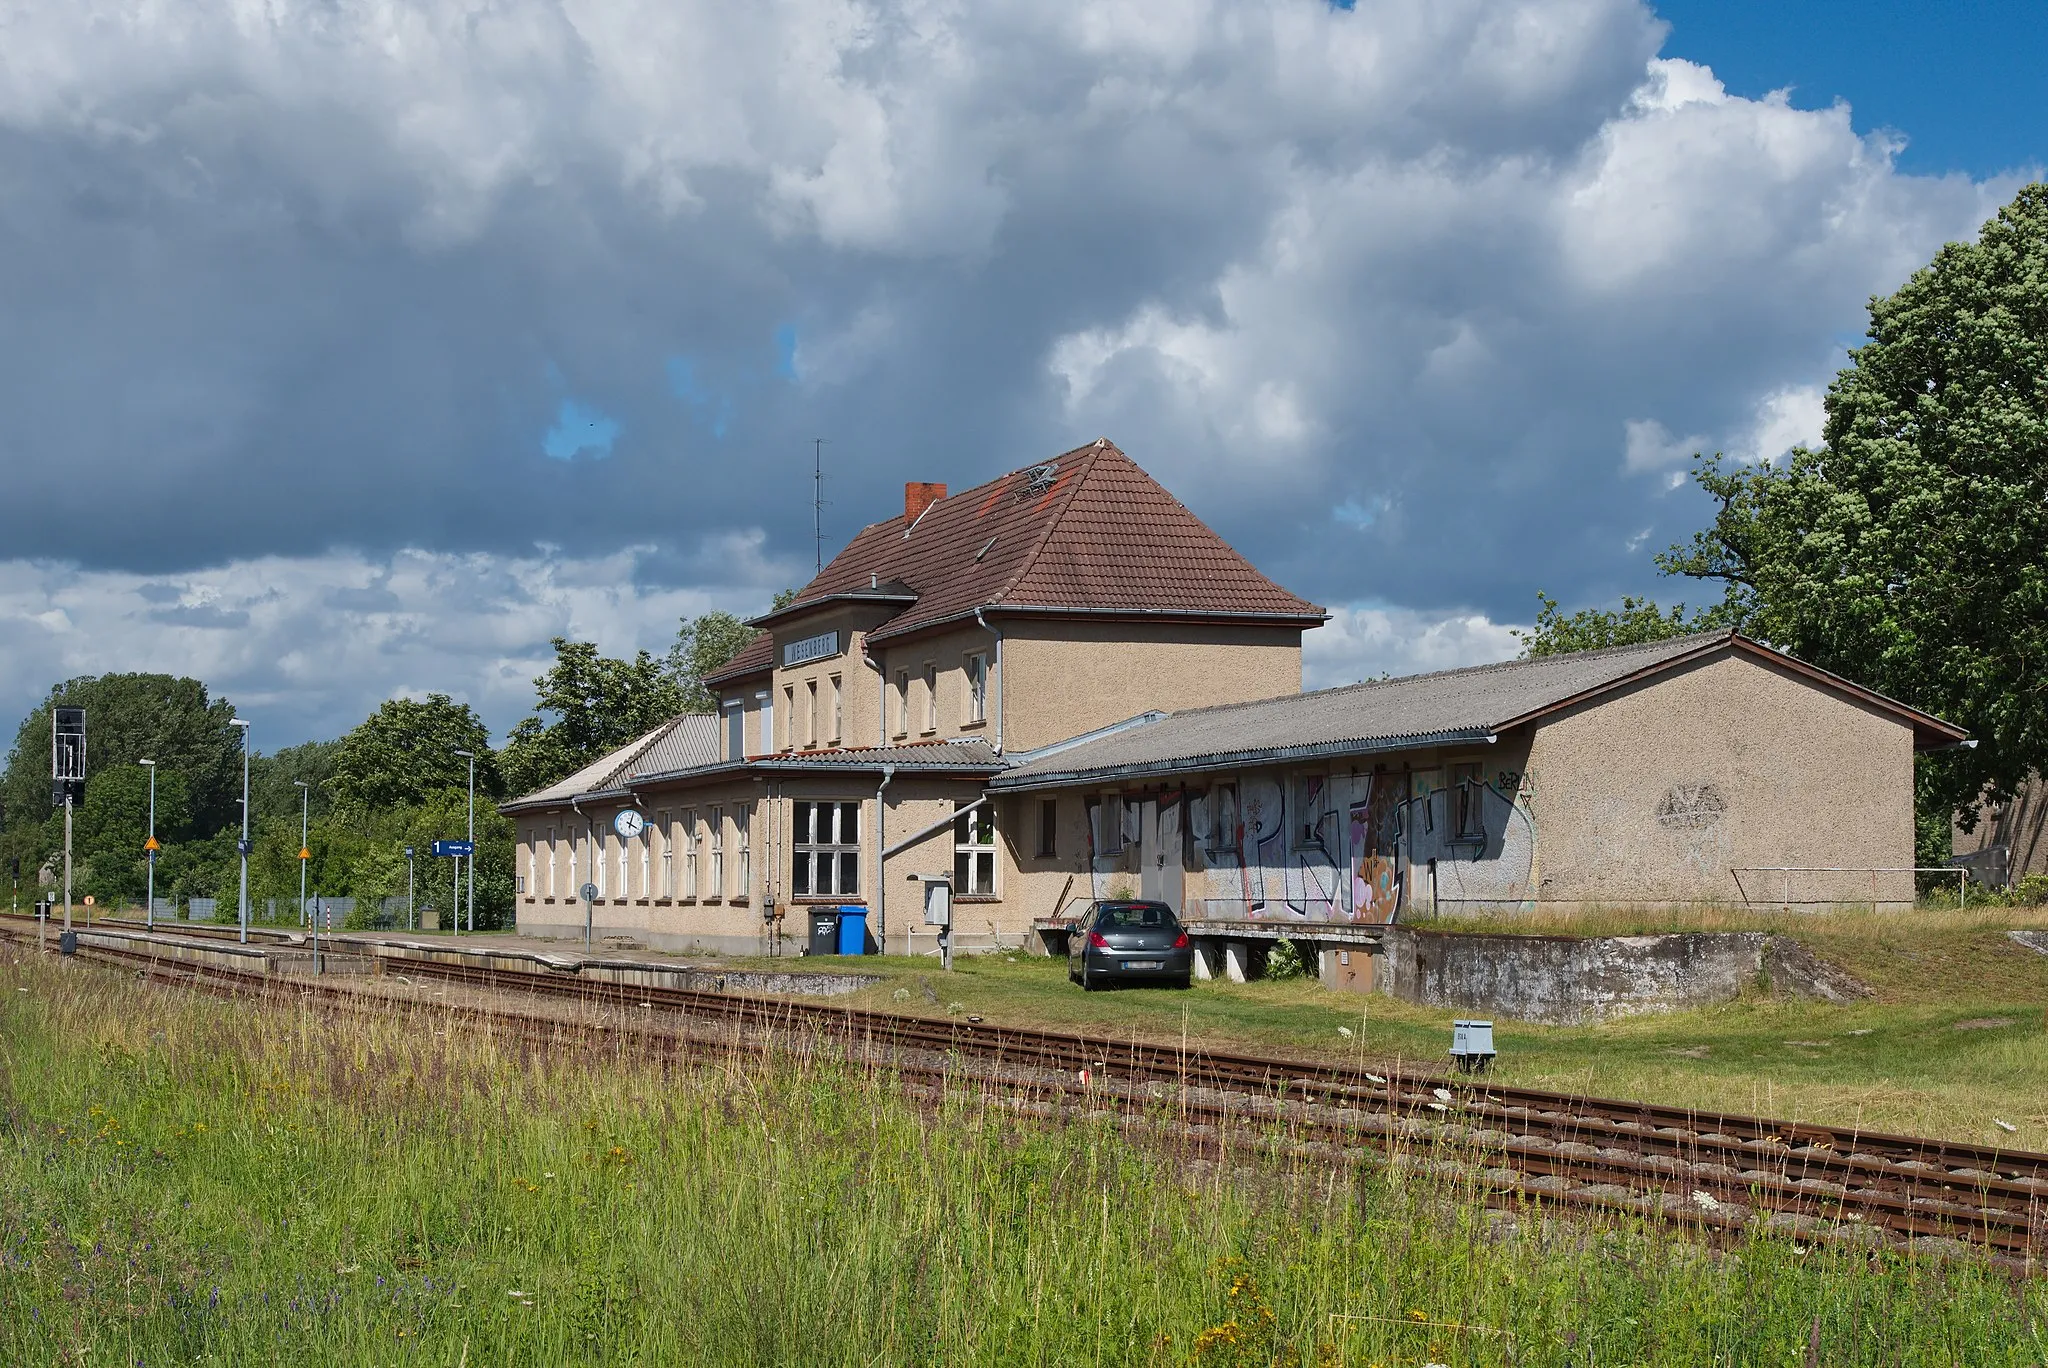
[(881, 884), (997, 633)]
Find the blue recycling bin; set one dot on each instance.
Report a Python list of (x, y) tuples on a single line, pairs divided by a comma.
[(853, 930)]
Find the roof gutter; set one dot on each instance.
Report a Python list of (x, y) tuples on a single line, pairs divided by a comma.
[(1231, 760)]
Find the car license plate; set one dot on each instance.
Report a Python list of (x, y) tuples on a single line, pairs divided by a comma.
[(1141, 964)]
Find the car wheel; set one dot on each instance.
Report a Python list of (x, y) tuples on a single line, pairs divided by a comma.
[(1088, 983)]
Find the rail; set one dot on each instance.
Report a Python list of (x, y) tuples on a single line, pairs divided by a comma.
[(1709, 1169)]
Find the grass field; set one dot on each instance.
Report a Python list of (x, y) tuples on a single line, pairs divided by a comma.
[(1954, 1040), (189, 1181)]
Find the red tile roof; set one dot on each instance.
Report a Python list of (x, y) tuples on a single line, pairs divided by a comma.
[(1087, 531)]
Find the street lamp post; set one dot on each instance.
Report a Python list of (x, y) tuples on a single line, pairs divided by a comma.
[(412, 920), (471, 755), (149, 851), (305, 852), (242, 846)]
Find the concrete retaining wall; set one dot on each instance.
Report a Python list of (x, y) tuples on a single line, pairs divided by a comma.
[(1571, 980)]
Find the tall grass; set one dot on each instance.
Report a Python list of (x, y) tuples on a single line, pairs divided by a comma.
[(191, 1181)]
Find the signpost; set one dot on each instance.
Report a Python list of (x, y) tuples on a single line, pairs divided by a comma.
[(589, 892), (149, 850), (412, 920)]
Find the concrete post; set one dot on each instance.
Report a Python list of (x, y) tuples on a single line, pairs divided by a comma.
[(1235, 957), (1202, 967)]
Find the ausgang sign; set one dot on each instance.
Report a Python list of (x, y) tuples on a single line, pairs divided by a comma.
[(810, 648)]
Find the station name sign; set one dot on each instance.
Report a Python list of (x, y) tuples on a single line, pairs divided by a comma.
[(811, 648)]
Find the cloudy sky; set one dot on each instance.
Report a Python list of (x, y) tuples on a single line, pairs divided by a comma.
[(357, 347)]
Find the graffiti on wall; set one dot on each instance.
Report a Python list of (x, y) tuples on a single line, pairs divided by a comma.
[(1359, 848)]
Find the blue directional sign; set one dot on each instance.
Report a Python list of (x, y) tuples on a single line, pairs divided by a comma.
[(455, 847)]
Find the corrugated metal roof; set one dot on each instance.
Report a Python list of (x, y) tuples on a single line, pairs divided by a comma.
[(681, 743), (1379, 715)]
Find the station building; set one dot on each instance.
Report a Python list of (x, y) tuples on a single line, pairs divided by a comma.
[(1061, 685)]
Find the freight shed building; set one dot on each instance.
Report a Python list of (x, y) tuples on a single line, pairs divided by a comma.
[(1062, 684)]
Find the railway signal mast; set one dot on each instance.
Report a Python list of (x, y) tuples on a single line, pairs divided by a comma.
[(67, 779)]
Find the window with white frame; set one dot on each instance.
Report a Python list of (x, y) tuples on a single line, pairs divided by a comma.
[(532, 876), (743, 855), (625, 868), (1311, 797), (599, 865), (646, 844), (575, 889), (974, 852), (789, 717), (551, 862), (931, 696), (1048, 828), (735, 731), (668, 856), (715, 882), (764, 703), (977, 687), (903, 703), (836, 712), (824, 849), (810, 712), (690, 841)]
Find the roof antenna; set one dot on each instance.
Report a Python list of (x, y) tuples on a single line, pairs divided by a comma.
[(818, 502)]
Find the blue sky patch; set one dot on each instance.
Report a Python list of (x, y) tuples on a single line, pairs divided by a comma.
[(580, 430)]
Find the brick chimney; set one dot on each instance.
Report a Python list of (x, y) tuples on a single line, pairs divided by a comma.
[(917, 497)]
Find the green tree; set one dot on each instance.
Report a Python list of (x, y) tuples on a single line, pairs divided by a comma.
[(109, 831), (703, 645), (1910, 550), (272, 792), (406, 750), (1636, 621), (598, 704), (130, 717)]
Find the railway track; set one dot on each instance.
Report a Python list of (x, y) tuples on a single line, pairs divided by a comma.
[(1703, 1168)]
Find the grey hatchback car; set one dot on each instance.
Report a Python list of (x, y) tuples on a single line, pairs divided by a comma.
[(1129, 939)]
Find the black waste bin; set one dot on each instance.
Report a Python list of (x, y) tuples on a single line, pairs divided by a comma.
[(67, 944), (824, 931)]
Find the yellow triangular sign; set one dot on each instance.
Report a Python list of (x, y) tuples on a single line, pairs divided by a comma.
[(305, 854), (151, 844)]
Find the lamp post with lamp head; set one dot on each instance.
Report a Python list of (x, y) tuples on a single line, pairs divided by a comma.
[(242, 846), (305, 852)]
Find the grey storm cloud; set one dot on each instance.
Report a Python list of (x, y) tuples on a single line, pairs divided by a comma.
[(1422, 306)]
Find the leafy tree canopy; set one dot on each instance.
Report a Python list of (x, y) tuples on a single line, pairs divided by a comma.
[(702, 646), (1909, 551), (272, 792), (1635, 622), (130, 717), (599, 704), (406, 750)]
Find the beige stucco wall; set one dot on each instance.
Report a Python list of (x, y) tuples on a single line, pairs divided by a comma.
[(1068, 676), (654, 903), (947, 652), (1626, 788)]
